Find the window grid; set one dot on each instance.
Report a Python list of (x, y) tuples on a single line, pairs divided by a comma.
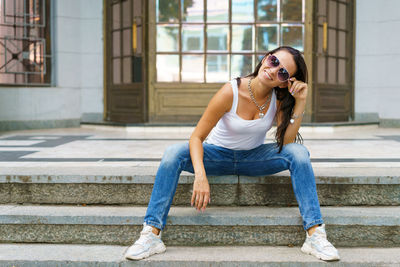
[(25, 43), (333, 57), (255, 24)]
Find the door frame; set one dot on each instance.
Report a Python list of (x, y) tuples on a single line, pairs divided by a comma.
[(107, 65), (351, 67)]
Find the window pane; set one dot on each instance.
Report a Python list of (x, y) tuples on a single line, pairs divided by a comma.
[(320, 39), (217, 37), (167, 68), (167, 38), (139, 40), (293, 36), (193, 68), (259, 57), (116, 16), (241, 65), (217, 68), (242, 38), (332, 42), (242, 11), (217, 11), (127, 70), (192, 38), (332, 14), (117, 71), (126, 38), (193, 11), (321, 7), (8, 78), (342, 16), (267, 10), (23, 39), (137, 69), (342, 44), (167, 11), (291, 10), (267, 38), (126, 14), (137, 8), (116, 43)]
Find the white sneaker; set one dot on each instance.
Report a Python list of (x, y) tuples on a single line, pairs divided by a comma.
[(147, 245), (319, 246)]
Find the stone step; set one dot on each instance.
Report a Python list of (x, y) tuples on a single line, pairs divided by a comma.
[(336, 187), (346, 226), (105, 255)]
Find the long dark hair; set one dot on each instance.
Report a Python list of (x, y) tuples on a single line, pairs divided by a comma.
[(283, 95)]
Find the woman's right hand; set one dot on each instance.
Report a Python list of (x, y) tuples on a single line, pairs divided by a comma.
[(201, 192)]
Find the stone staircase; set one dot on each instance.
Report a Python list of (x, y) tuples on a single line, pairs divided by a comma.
[(70, 219)]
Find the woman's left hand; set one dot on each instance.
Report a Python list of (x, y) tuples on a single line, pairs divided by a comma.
[(298, 89)]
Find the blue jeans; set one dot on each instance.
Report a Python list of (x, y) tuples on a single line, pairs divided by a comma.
[(262, 160)]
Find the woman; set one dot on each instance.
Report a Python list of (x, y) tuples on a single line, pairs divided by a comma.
[(242, 112)]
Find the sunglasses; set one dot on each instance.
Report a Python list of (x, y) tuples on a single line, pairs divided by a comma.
[(283, 74)]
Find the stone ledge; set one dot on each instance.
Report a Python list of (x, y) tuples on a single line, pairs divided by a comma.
[(102, 255), (226, 216), (146, 175)]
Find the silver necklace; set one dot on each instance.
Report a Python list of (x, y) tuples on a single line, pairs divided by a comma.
[(261, 113)]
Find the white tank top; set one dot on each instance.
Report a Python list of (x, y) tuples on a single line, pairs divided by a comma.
[(236, 133)]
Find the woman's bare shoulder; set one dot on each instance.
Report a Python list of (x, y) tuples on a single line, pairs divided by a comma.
[(224, 97), (226, 90), (219, 104)]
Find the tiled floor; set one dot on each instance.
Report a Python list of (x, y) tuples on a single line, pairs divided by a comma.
[(361, 147)]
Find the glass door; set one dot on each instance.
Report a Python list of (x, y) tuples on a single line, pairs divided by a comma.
[(126, 96), (333, 75)]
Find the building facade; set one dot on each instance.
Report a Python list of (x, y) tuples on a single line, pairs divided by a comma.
[(160, 61)]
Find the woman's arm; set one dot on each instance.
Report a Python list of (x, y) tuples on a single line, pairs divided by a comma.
[(219, 104), (299, 91)]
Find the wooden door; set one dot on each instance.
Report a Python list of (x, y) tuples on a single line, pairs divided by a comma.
[(125, 64), (333, 61)]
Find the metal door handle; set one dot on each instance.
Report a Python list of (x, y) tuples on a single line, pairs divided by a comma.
[(134, 37), (325, 37)]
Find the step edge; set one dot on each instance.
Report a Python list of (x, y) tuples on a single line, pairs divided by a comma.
[(188, 179), (218, 216), (222, 254)]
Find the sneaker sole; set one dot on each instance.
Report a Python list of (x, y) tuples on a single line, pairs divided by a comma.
[(308, 250), (158, 249)]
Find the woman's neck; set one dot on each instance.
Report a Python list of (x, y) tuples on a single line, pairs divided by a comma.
[(260, 91)]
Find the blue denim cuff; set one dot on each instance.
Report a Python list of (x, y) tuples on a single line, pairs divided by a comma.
[(311, 224), (159, 226)]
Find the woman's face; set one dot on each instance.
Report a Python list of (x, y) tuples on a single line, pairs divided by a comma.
[(268, 75)]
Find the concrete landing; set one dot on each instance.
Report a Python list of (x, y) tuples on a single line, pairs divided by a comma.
[(110, 148)]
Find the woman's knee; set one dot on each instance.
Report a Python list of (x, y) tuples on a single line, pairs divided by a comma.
[(297, 152), (175, 153)]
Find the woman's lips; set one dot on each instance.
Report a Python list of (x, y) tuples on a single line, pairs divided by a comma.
[(267, 74)]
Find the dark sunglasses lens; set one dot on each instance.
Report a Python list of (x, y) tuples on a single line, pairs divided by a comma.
[(283, 75), (273, 61)]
